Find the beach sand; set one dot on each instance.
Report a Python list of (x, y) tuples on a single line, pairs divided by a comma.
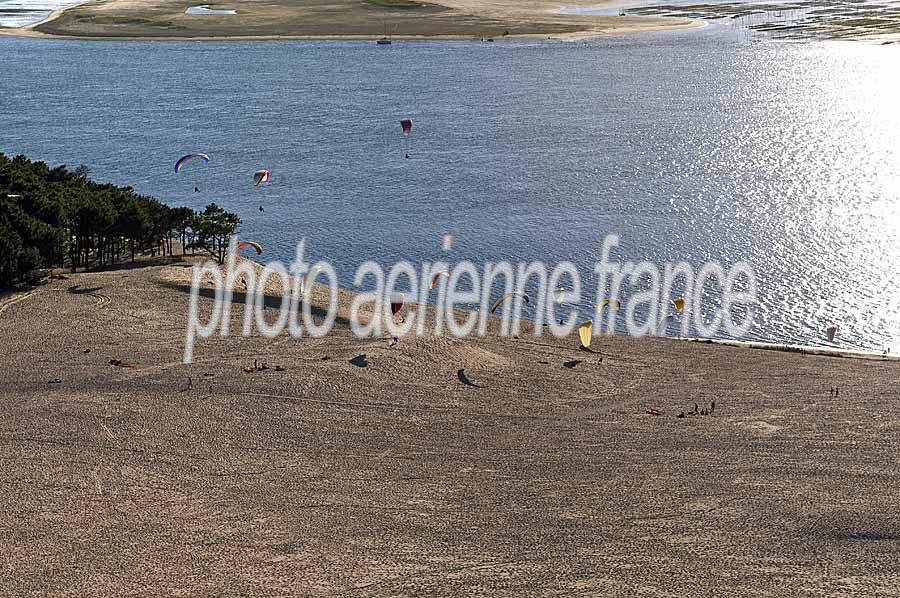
[(344, 19), (397, 479)]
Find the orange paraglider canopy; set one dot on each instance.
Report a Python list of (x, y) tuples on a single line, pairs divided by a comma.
[(255, 246)]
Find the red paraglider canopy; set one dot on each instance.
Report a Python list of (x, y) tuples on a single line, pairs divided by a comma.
[(406, 124), (260, 176), (396, 303)]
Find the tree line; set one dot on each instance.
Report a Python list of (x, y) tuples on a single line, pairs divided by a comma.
[(55, 217)]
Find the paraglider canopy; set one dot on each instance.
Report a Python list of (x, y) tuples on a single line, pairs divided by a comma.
[(183, 160), (255, 246), (678, 304), (436, 277), (585, 332), (612, 303), (396, 303), (505, 296), (406, 125), (260, 176)]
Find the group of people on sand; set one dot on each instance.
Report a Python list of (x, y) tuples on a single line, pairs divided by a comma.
[(261, 367), (698, 411)]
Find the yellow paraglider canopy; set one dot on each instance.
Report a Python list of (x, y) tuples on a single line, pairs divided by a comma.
[(586, 332), (678, 304)]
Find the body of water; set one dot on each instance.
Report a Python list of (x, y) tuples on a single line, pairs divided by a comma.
[(692, 146), (19, 13)]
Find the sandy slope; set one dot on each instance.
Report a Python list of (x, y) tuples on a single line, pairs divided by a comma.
[(396, 479)]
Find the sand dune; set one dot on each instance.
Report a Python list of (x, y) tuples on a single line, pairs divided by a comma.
[(397, 479)]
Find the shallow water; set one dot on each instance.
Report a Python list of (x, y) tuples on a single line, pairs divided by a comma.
[(876, 21), (690, 145), (206, 10), (18, 13)]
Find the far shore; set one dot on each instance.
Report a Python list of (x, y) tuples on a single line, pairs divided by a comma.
[(488, 20), (493, 20)]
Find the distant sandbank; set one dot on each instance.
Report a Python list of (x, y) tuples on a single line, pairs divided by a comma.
[(339, 19)]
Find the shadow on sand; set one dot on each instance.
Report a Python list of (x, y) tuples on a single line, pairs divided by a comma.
[(240, 298)]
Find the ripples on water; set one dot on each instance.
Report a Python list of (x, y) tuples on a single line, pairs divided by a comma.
[(691, 146)]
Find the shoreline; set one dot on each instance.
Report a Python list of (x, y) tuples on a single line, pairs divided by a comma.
[(8, 298), (817, 350), (570, 37)]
